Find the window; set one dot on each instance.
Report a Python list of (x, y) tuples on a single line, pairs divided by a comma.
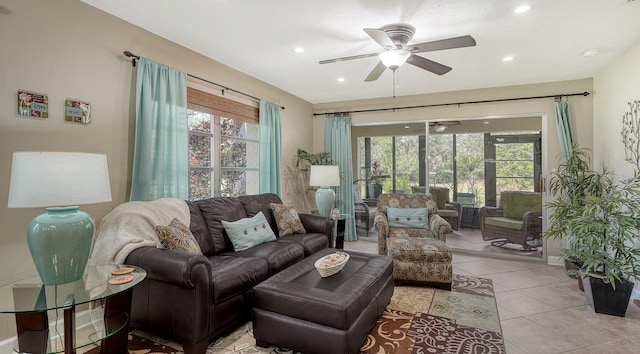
[(223, 148)]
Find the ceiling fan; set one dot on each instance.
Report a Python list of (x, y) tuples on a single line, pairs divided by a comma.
[(440, 127), (394, 38)]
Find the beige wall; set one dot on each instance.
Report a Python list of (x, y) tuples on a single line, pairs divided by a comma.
[(68, 49), (615, 86)]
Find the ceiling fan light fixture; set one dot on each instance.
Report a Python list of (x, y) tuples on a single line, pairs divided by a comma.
[(394, 58)]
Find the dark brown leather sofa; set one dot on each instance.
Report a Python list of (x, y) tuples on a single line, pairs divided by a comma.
[(193, 298)]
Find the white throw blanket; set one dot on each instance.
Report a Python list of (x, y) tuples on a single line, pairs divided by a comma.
[(133, 225)]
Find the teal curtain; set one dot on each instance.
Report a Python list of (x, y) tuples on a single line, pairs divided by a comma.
[(338, 145), (565, 132), (161, 151), (270, 148)]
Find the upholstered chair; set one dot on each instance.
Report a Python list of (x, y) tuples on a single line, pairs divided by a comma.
[(415, 240)]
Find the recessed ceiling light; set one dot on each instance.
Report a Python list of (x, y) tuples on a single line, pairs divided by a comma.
[(485, 122), (299, 50), (590, 53), (341, 79), (507, 58), (406, 127), (522, 9)]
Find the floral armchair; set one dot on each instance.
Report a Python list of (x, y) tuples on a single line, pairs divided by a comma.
[(438, 227)]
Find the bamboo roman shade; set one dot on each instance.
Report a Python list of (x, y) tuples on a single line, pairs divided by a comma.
[(205, 102)]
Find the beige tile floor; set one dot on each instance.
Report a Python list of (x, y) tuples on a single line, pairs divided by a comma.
[(541, 309)]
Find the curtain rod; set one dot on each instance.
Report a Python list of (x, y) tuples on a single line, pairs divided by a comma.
[(456, 103), (224, 88)]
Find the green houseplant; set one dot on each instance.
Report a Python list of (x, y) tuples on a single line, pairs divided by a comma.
[(599, 218)]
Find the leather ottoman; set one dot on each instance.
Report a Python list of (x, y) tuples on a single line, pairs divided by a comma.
[(299, 310)]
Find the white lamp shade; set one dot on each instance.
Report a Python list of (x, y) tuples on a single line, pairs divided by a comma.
[(324, 175), (45, 179), (394, 58)]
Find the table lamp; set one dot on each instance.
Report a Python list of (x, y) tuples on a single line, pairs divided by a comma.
[(59, 240), (324, 176)]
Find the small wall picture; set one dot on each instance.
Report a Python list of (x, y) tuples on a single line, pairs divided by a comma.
[(77, 111), (32, 104)]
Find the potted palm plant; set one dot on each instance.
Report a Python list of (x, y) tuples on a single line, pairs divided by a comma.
[(599, 218)]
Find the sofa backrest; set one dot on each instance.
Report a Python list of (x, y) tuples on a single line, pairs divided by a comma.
[(261, 203), (406, 201), (207, 216), (517, 203)]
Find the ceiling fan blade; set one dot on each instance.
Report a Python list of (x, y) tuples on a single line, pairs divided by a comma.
[(327, 61), (429, 65), (376, 72), (449, 43), (381, 37)]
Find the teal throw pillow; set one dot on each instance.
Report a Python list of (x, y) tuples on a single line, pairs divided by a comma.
[(248, 232), (414, 218)]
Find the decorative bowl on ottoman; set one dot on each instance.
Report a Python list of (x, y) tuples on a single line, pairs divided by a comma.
[(331, 263)]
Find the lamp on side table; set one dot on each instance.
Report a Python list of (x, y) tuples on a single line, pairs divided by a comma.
[(324, 176), (59, 240)]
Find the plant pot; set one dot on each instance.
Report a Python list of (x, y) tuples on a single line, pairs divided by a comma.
[(571, 268), (580, 285), (374, 190), (602, 298)]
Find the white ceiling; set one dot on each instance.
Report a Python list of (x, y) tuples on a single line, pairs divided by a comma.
[(258, 38)]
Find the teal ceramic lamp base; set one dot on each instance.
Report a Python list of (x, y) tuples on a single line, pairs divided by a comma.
[(60, 243), (325, 197)]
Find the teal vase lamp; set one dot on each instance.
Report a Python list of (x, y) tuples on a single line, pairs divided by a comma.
[(324, 176), (59, 240)]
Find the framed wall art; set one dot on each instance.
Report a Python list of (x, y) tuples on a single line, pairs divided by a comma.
[(32, 104), (77, 111)]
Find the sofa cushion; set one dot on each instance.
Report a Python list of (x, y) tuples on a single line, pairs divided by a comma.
[(287, 219), (232, 276), (248, 232), (261, 203), (311, 242), (504, 222), (177, 236), (279, 255), (214, 210), (447, 213), (415, 218)]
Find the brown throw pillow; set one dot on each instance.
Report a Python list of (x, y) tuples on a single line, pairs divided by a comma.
[(177, 236), (287, 219)]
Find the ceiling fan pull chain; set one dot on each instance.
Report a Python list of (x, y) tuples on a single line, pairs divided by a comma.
[(394, 82)]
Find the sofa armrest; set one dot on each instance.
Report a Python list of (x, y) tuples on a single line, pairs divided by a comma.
[(381, 222), (314, 223), (171, 266), (176, 297), (439, 227), (457, 206)]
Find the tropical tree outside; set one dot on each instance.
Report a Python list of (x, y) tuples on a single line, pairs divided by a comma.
[(514, 163)]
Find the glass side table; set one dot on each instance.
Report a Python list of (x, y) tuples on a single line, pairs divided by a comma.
[(31, 302)]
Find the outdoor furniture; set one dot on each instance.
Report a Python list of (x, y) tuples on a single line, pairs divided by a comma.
[(452, 212), (420, 255), (516, 220), (364, 214)]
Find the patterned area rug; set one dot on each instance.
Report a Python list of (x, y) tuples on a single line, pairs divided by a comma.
[(418, 320)]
